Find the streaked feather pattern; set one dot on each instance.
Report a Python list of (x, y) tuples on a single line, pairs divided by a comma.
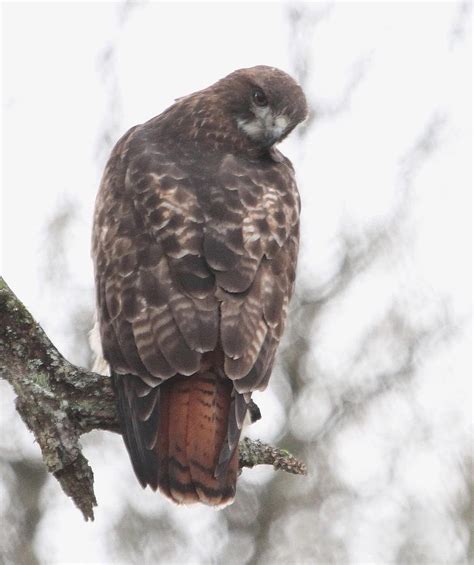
[(195, 261)]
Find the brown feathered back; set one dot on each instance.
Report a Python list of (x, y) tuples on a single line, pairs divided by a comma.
[(194, 246)]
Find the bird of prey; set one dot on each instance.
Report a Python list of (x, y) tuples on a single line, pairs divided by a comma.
[(195, 243)]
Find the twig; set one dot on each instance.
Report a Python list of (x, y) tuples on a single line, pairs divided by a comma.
[(59, 402), (255, 452)]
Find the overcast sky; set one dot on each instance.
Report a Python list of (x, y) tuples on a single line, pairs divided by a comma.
[(391, 88)]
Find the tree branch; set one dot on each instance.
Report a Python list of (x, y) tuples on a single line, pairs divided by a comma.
[(59, 402)]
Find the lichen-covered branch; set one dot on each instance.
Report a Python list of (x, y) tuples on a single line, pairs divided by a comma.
[(59, 402), (255, 452)]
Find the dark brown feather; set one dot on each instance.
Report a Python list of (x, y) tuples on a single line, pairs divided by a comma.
[(195, 244)]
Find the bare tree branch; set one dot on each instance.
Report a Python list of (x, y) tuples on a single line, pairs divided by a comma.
[(59, 402)]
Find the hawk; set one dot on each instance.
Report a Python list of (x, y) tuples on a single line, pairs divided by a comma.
[(195, 242)]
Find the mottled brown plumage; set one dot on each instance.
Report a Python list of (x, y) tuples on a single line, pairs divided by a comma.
[(195, 245)]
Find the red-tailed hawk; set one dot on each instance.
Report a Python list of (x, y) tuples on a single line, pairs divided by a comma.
[(195, 244)]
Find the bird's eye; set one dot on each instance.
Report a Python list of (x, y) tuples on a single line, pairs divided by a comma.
[(259, 98)]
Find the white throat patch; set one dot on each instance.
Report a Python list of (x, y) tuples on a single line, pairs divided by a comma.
[(265, 126)]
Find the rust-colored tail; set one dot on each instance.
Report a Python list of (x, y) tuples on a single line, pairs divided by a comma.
[(178, 435)]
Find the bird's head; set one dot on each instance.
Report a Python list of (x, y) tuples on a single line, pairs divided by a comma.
[(265, 102)]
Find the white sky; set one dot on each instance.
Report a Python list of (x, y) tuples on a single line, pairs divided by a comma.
[(55, 103)]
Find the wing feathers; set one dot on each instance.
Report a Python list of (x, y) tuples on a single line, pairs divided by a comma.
[(149, 352), (195, 266)]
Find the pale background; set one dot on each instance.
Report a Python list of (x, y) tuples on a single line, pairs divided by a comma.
[(373, 384)]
